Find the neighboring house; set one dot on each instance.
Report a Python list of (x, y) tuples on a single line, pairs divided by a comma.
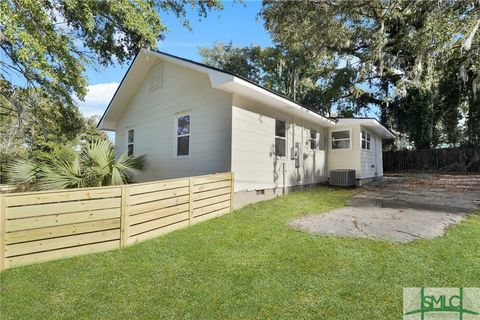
[(192, 119)]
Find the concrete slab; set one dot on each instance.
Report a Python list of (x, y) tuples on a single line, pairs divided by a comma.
[(399, 209)]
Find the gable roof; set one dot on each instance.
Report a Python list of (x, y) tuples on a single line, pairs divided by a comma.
[(222, 80), (219, 79)]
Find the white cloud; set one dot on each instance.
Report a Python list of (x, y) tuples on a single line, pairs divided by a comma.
[(97, 98)]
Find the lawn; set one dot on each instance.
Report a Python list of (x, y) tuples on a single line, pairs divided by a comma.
[(246, 265)]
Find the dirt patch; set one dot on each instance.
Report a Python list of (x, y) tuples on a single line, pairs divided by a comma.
[(402, 208), (449, 182)]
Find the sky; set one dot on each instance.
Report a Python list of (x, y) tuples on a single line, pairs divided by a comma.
[(236, 22)]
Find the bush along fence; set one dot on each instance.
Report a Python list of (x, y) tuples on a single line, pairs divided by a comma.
[(446, 160), (50, 225)]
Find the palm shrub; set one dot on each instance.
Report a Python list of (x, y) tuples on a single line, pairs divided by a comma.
[(94, 165)]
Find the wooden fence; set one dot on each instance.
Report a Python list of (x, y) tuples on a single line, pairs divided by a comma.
[(448, 159), (50, 225)]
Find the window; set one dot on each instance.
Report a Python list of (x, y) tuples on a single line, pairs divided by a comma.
[(280, 138), (182, 133), (313, 139), (366, 140), (341, 139), (130, 141)]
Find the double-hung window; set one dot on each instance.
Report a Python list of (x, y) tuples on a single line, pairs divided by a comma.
[(313, 140), (182, 134), (366, 140), (341, 139), (130, 141), (280, 138)]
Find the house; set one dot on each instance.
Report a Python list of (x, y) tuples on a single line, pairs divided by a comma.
[(192, 119)]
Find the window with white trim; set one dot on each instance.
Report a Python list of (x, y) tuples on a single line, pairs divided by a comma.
[(341, 139), (182, 134), (130, 141), (313, 140), (280, 138), (366, 140)]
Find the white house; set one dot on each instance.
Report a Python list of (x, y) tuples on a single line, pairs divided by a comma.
[(192, 119)]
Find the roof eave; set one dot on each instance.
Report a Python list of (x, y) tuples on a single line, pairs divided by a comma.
[(242, 87), (219, 79), (369, 123)]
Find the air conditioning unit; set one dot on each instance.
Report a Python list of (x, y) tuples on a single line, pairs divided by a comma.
[(342, 178)]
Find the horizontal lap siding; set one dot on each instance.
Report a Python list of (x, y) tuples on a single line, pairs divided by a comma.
[(346, 158), (44, 226), (371, 160), (152, 115), (254, 161), (253, 146)]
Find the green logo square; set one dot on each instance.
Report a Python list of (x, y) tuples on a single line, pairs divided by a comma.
[(441, 303)]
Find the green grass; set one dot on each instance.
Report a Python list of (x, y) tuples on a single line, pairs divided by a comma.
[(246, 265)]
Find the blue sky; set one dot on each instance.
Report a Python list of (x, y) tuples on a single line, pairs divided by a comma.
[(236, 22)]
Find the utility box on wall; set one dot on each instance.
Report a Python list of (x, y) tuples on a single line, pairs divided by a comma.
[(342, 178)]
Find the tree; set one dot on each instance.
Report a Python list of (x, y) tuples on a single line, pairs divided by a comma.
[(95, 166), (289, 73), (387, 50), (46, 46), (241, 61), (44, 127), (90, 132), (44, 132), (10, 142)]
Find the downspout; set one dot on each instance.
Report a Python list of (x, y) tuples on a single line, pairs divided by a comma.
[(376, 157), (302, 146), (327, 150), (292, 155)]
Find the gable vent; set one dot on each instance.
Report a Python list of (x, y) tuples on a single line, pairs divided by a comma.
[(156, 77)]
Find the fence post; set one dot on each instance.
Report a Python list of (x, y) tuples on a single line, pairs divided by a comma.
[(124, 217), (3, 206), (190, 198), (232, 185)]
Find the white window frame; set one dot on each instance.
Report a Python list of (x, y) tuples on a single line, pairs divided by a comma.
[(280, 137), (317, 139), (368, 140), (130, 143), (349, 135), (176, 136)]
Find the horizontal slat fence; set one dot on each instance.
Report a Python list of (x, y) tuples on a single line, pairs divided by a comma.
[(42, 226)]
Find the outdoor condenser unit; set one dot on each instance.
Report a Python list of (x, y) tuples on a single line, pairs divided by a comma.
[(342, 178)]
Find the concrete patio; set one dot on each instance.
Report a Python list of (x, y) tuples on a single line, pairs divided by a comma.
[(402, 208)]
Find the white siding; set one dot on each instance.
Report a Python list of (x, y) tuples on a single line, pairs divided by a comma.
[(152, 114), (371, 160), (366, 163), (368, 157), (346, 158), (253, 148), (379, 150)]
